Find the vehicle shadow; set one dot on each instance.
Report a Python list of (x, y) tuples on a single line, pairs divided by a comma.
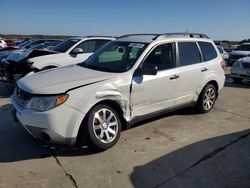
[(16, 144), (185, 111), (221, 161)]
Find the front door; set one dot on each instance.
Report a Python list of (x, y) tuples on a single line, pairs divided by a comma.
[(152, 93)]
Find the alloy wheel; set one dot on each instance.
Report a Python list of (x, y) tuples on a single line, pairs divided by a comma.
[(105, 125)]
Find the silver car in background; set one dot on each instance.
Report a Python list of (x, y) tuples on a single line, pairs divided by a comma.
[(241, 70)]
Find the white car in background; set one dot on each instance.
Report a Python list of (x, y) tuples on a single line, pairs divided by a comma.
[(241, 70), (72, 51), (2, 44), (223, 53)]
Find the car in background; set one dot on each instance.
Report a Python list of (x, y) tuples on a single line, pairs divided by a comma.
[(14, 66), (71, 51), (241, 70), (131, 78), (242, 51), (2, 44), (9, 43), (223, 53)]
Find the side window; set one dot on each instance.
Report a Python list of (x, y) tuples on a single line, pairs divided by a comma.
[(100, 43), (207, 50), (87, 46), (162, 56), (188, 53)]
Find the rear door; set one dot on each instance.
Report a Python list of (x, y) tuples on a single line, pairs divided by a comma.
[(192, 70)]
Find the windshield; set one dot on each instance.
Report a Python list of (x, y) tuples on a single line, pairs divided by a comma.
[(23, 44), (65, 45), (244, 47), (115, 56)]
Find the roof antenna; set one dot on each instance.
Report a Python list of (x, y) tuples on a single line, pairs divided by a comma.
[(186, 32)]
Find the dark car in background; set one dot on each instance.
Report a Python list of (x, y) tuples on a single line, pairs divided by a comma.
[(240, 52), (8, 69)]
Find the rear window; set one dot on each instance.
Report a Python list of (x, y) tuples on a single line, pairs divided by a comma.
[(188, 53), (208, 50)]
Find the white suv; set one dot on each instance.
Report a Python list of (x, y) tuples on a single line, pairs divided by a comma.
[(2, 44), (71, 51), (128, 79)]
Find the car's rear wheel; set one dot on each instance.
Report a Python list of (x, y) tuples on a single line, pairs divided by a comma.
[(103, 127), (207, 99)]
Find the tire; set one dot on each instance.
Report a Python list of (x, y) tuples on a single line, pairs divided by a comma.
[(237, 80), (206, 99), (110, 127)]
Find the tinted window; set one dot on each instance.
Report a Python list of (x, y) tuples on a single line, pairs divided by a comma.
[(207, 50), (88, 46), (162, 56), (188, 53), (100, 43), (65, 45)]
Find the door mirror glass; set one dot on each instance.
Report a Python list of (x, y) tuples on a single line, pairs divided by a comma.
[(77, 51)]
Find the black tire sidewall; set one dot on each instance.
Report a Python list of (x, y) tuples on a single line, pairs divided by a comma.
[(201, 98), (94, 143)]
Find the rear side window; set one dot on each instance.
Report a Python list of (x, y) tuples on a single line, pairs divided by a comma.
[(188, 53), (207, 50)]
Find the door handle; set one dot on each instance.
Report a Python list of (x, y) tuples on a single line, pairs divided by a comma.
[(204, 69), (174, 77)]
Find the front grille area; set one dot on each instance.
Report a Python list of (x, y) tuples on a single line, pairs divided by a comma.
[(21, 97), (246, 65)]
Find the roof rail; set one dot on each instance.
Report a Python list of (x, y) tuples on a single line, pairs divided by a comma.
[(191, 35), (89, 36), (138, 34)]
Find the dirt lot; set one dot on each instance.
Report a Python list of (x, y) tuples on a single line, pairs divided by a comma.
[(180, 149)]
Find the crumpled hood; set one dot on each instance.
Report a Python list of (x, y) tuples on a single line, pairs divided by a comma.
[(60, 80), (19, 56), (236, 52)]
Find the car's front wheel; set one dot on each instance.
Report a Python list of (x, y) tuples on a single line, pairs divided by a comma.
[(103, 127)]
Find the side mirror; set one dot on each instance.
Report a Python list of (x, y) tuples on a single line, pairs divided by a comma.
[(149, 69), (77, 51)]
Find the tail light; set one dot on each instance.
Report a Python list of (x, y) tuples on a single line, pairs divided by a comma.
[(223, 65)]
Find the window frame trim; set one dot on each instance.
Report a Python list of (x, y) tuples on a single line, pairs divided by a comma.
[(155, 46)]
